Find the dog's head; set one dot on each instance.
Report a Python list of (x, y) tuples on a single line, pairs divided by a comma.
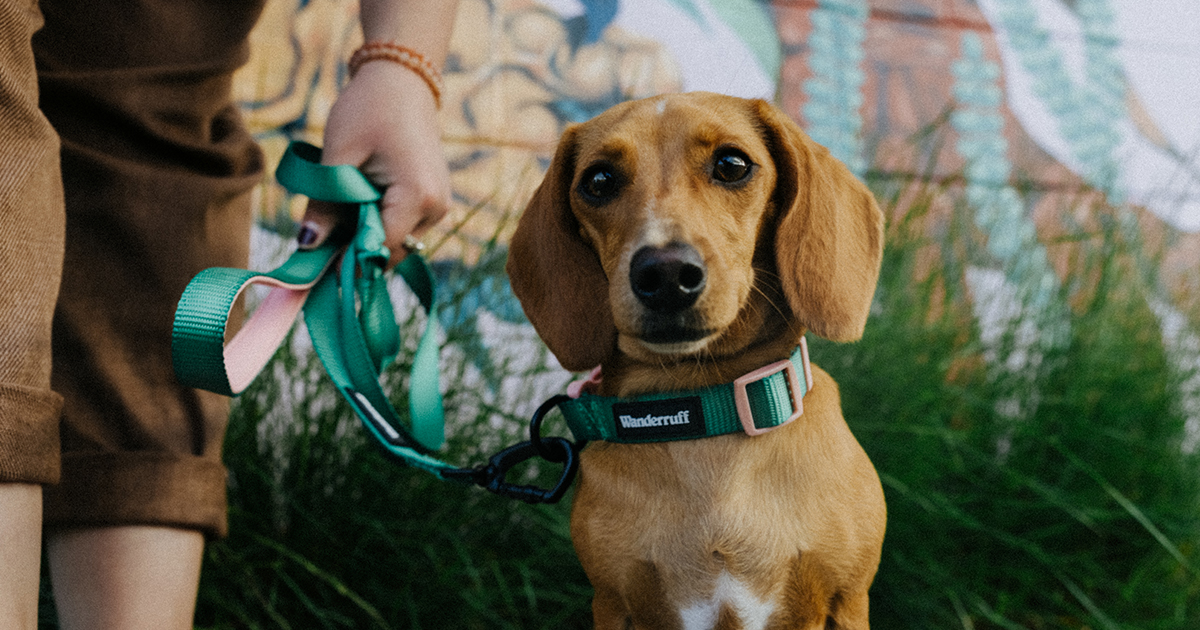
[(686, 223)]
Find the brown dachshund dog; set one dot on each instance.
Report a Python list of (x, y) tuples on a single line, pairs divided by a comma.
[(681, 242)]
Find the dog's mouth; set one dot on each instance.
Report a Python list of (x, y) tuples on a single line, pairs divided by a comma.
[(673, 335), (678, 333)]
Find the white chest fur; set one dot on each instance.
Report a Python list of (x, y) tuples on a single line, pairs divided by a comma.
[(752, 611)]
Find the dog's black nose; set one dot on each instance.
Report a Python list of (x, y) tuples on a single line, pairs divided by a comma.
[(667, 278)]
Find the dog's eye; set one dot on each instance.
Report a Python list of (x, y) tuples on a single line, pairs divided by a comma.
[(731, 166), (599, 184)]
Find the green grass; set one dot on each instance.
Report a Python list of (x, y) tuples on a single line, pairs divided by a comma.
[(1080, 511), (1058, 495)]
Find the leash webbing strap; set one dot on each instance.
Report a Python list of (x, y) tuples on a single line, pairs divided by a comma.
[(349, 316), (759, 402), (198, 348)]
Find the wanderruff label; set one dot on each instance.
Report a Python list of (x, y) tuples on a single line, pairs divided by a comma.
[(659, 419)]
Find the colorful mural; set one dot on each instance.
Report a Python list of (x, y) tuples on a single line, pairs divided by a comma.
[(1070, 99)]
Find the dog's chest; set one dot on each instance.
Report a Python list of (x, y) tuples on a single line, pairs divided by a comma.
[(717, 529)]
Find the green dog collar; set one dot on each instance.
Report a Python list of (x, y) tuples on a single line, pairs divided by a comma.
[(756, 403)]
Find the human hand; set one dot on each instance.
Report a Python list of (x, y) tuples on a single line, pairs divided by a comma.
[(385, 123)]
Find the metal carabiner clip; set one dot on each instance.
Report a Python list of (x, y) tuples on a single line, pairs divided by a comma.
[(557, 450), (562, 452)]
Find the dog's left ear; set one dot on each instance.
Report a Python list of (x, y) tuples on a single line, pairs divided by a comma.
[(829, 238), (557, 276)]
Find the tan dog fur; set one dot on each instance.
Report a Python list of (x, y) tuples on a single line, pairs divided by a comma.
[(781, 530)]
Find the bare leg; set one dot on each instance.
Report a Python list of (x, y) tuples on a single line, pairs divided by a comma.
[(20, 554), (125, 578)]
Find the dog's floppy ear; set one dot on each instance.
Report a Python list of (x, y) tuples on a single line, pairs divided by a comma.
[(557, 276), (829, 238)]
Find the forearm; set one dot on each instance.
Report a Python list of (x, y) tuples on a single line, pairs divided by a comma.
[(385, 122), (422, 25)]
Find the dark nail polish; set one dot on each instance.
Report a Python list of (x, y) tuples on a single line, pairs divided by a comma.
[(307, 236)]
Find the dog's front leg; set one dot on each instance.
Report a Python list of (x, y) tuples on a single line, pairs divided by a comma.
[(609, 612), (639, 603), (852, 613)]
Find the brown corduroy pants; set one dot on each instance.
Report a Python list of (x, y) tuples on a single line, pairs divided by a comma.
[(156, 170)]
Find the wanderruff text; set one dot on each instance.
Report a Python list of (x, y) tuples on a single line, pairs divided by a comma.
[(629, 422)]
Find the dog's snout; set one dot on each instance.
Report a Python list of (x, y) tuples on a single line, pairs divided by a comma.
[(668, 278)]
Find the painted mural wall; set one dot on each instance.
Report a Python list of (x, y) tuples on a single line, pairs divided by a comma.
[(1058, 100)]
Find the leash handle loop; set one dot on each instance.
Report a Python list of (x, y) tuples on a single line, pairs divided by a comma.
[(349, 314), (353, 328), (201, 357), (367, 337)]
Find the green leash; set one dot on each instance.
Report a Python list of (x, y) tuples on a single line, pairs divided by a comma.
[(354, 333), (353, 329)]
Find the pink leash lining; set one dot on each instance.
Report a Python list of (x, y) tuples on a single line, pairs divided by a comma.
[(250, 349)]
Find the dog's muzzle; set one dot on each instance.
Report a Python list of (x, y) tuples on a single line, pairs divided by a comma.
[(668, 281)]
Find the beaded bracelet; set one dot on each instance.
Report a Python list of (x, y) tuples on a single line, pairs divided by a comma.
[(407, 57)]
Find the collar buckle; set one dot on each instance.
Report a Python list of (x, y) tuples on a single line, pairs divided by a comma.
[(795, 393)]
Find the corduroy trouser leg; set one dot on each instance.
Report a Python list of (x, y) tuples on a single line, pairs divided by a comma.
[(31, 251), (156, 169)]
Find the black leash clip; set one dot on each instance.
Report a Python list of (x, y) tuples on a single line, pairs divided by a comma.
[(556, 450)]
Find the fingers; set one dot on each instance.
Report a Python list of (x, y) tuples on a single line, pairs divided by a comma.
[(409, 210), (407, 214), (385, 123)]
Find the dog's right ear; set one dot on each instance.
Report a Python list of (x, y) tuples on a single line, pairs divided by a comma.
[(557, 276)]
